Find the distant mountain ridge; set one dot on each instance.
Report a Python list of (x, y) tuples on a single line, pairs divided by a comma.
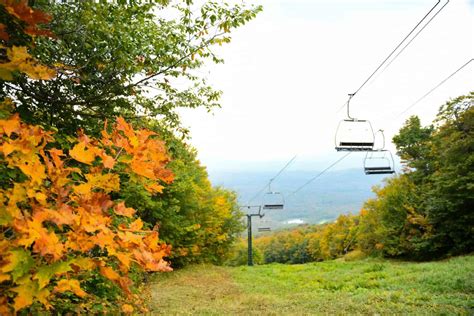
[(334, 193)]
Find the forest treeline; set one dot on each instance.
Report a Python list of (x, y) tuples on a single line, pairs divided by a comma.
[(424, 213), (98, 185)]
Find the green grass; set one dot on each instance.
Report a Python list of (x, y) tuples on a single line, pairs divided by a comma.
[(333, 287)]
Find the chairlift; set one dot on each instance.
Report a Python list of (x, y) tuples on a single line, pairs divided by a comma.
[(353, 134), (264, 226), (379, 161), (273, 200)]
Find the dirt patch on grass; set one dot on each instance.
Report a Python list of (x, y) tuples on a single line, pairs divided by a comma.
[(198, 289)]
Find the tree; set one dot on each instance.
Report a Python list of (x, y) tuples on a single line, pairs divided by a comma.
[(450, 195), (135, 60), (67, 235), (427, 211), (413, 143), (201, 222), (104, 69), (59, 223), (393, 223)]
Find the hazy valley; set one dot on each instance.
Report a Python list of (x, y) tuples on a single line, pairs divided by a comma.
[(334, 193)]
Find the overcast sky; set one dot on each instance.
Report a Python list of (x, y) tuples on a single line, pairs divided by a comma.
[(288, 71)]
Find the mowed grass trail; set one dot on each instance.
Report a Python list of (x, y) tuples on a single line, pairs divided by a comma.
[(333, 287)]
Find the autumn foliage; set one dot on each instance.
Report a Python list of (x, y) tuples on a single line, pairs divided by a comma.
[(58, 219), (23, 23), (79, 213)]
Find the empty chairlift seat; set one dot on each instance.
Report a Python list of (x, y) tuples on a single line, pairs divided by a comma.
[(379, 162), (273, 201), (354, 135), (264, 226)]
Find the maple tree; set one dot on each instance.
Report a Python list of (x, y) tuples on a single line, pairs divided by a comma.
[(24, 23), (58, 219), (200, 221), (105, 70)]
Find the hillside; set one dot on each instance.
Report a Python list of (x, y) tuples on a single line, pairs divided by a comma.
[(332, 287), (334, 193)]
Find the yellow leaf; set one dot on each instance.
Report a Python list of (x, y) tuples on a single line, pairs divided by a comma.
[(28, 291), (41, 198), (71, 285), (107, 182), (83, 263), (25, 295), (137, 225), (83, 189), (21, 60), (80, 154), (127, 309), (34, 169)]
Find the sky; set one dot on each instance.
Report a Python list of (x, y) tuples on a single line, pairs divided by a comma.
[(287, 73)]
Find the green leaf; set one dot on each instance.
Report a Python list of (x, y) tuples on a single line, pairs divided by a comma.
[(19, 263), (5, 217), (6, 75), (46, 272)]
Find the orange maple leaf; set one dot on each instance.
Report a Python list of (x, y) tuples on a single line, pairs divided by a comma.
[(124, 259), (108, 161), (121, 209), (7, 148), (48, 243), (109, 273), (105, 238), (10, 125)]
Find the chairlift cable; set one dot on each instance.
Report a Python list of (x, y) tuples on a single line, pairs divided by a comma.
[(413, 38), (283, 169), (272, 179), (436, 87), (320, 174), (390, 55)]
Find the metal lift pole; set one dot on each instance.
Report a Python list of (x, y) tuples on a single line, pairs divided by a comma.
[(249, 232)]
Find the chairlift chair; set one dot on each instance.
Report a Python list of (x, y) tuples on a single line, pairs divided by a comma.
[(273, 200), (353, 134), (379, 161), (264, 226)]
